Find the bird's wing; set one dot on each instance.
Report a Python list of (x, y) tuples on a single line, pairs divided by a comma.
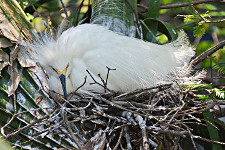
[(138, 64)]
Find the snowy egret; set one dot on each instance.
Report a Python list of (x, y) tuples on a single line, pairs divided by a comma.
[(87, 49)]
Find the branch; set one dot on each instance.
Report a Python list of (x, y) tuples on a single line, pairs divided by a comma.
[(168, 6), (207, 140), (118, 142), (208, 53), (71, 132), (67, 17), (186, 4), (25, 127)]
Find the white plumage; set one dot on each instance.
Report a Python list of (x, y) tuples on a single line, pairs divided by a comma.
[(91, 47)]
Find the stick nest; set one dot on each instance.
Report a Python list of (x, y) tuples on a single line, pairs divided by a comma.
[(141, 119)]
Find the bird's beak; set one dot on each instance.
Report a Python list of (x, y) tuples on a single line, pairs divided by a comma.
[(62, 77)]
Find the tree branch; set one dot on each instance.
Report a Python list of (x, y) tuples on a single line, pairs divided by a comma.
[(168, 6)]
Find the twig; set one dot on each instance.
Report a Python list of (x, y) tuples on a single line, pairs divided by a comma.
[(42, 86), (14, 115), (173, 132), (85, 80), (191, 136), (141, 90), (79, 9), (107, 76), (109, 116), (209, 52), (67, 17), (187, 4), (168, 6), (120, 107), (142, 125), (26, 127), (207, 140), (118, 142), (95, 82), (70, 131), (127, 136)]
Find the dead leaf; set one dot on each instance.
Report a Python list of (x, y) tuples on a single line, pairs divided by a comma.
[(14, 52), (39, 77), (14, 81), (3, 65), (7, 29), (4, 43), (24, 58), (4, 56), (18, 25)]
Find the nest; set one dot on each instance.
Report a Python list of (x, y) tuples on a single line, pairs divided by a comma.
[(141, 119)]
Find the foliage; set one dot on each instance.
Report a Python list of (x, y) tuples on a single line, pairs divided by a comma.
[(201, 27), (212, 93)]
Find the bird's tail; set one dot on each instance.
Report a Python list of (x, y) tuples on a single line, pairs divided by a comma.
[(183, 52), (182, 49)]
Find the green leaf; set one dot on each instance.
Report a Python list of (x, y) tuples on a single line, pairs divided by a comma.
[(197, 86), (218, 93), (153, 12), (200, 30), (163, 27), (220, 69), (147, 33), (153, 9), (213, 132)]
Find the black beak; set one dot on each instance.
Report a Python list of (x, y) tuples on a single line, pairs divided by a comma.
[(62, 78)]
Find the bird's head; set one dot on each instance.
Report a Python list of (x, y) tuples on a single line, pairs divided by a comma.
[(56, 58)]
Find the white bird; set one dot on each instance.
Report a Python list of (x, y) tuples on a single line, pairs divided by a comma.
[(91, 47)]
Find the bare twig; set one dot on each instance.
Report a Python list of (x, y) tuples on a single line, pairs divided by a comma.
[(207, 140), (95, 82), (85, 80), (26, 127), (70, 131), (107, 76), (127, 136), (79, 9), (208, 53), (67, 17), (119, 140), (164, 86), (168, 6)]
